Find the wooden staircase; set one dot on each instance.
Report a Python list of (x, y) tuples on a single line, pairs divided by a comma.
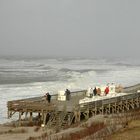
[(60, 119), (67, 119)]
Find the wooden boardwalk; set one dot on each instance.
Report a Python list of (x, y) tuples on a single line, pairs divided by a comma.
[(63, 113), (42, 107)]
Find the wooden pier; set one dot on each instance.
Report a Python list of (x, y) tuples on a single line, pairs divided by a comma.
[(60, 114)]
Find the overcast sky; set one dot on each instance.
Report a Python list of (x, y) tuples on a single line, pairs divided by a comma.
[(84, 28)]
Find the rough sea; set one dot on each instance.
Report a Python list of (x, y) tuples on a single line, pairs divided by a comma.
[(22, 77)]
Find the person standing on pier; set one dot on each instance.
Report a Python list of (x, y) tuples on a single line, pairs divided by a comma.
[(95, 91), (99, 92), (67, 92), (48, 97), (106, 90)]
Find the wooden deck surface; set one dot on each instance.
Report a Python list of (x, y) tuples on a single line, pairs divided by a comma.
[(38, 104)]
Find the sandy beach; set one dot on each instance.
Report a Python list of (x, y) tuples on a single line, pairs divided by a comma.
[(19, 133), (95, 127)]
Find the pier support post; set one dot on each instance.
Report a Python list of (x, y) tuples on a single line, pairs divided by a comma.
[(69, 120), (109, 109), (39, 117), (95, 110), (26, 113), (102, 110), (77, 115), (44, 118), (31, 116), (137, 102), (87, 114), (19, 119), (8, 114), (115, 107)]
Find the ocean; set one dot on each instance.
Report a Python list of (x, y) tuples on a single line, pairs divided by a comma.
[(23, 77)]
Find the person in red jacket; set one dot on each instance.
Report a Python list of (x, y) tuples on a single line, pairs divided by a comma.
[(106, 90)]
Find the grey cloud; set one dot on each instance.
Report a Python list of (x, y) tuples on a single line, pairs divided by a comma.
[(70, 28)]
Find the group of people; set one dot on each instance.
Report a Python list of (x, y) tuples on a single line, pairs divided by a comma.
[(97, 91), (67, 94)]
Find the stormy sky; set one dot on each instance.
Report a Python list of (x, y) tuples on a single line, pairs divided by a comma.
[(87, 28)]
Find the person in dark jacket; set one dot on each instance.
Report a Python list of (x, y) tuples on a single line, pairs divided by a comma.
[(49, 98), (95, 91), (67, 92)]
